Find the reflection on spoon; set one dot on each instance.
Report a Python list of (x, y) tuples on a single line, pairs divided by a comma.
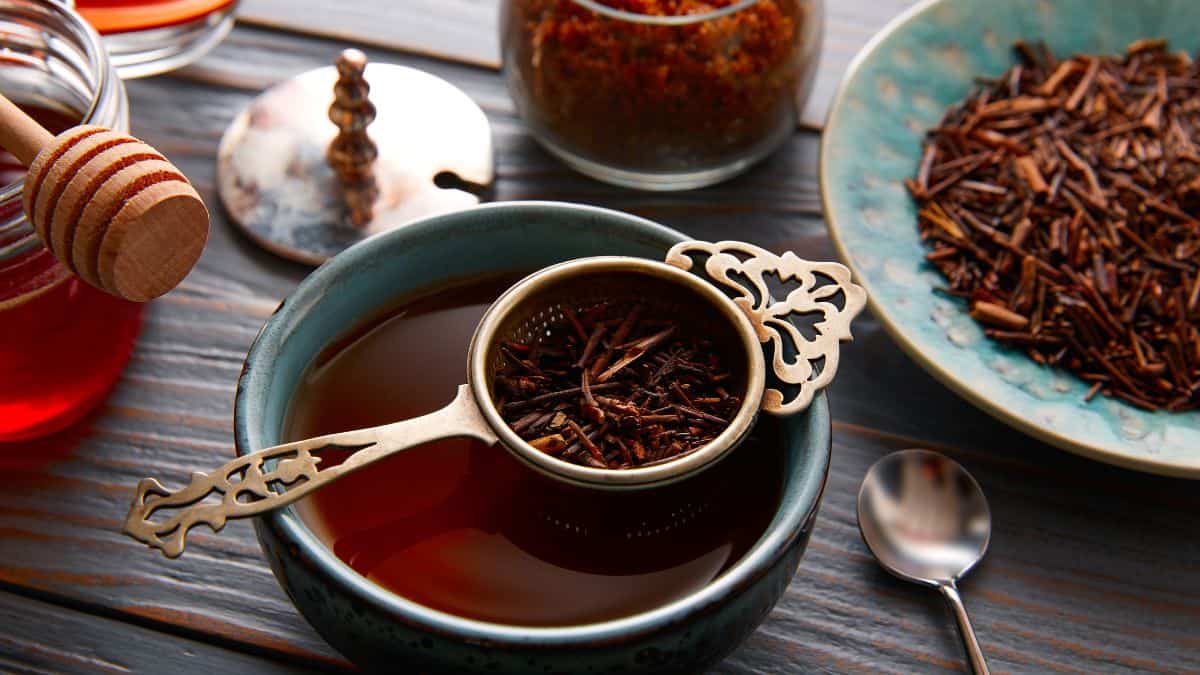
[(926, 520)]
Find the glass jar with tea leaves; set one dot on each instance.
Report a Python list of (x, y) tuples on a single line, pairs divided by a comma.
[(63, 343), (660, 94)]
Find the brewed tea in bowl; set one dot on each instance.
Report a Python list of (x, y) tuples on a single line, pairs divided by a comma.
[(682, 630), (476, 533)]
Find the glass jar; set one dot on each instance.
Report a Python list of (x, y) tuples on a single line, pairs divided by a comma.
[(62, 343), (145, 37), (660, 94)]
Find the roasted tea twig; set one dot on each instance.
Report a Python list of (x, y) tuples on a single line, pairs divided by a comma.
[(1058, 200), (609, 389)]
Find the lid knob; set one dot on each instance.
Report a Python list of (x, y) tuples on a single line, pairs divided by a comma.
[(352, 152)]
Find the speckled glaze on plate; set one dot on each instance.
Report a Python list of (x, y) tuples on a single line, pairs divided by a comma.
[(898, 87)]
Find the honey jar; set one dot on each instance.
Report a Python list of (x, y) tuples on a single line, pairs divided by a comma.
[(63, 343)]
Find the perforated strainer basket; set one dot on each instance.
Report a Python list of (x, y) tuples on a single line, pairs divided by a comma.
[(738, 325)]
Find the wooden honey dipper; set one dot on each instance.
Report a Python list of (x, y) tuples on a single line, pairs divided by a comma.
[(112, 209)]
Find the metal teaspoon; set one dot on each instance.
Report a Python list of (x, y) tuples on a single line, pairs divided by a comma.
[(926, 520)]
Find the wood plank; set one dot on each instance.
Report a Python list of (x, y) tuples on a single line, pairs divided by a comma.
[(1055, 556), (40, 637), (466, 31), (455, 30), (1089, 567)]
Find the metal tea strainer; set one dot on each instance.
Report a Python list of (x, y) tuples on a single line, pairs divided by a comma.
[(737, 326)]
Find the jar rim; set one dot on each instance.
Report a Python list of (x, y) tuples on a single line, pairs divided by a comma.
[(664, 20)]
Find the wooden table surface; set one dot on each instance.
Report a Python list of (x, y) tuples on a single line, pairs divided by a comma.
[(1091, 568)]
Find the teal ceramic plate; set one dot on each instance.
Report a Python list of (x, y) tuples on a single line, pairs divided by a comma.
[(897, 87)]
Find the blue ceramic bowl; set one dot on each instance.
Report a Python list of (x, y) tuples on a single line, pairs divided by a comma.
[(377, 628), (899, 86)]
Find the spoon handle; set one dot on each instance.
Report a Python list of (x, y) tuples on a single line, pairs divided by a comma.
[(970, 644), (248, 486)]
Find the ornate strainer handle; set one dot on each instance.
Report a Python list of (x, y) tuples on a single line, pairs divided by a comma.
[(243, 486), (809, 364)]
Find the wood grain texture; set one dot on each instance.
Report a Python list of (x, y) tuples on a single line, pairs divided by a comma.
[(1091, 568), (454, 30), (465, 31), (41, 637)]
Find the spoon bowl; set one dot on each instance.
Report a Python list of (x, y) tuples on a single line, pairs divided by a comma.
[(927, 521)]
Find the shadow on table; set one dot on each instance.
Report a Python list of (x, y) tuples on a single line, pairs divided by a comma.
[(24, 458)]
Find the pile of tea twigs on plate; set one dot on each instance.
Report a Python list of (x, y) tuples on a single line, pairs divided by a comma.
[(610, 387), (1061, 200)]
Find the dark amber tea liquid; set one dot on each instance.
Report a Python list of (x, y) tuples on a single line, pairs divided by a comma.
[(464, 527)]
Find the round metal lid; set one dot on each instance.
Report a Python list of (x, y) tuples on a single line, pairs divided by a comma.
[(434, 156)]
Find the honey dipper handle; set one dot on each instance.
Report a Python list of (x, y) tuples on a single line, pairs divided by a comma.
[(245, 485), (20, 134)]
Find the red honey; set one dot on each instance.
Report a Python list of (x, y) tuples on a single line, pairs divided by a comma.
[(63, 343)]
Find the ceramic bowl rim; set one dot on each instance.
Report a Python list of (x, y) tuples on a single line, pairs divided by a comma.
[(796, 511), (946, 376)]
